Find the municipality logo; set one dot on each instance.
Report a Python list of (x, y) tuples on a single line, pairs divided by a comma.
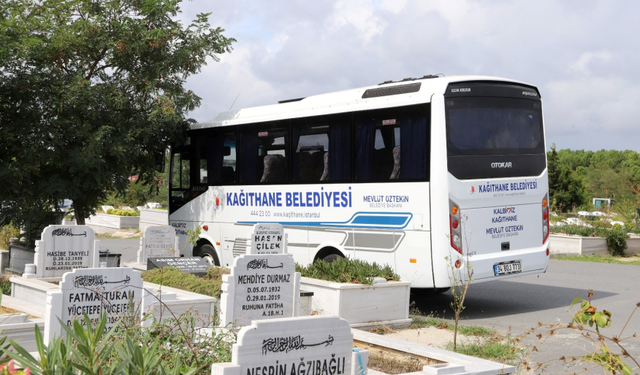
[(473, 190)]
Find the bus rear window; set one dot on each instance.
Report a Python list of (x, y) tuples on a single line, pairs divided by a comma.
[(493, 126)]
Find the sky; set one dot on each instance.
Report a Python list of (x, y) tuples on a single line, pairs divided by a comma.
[(583, 55)]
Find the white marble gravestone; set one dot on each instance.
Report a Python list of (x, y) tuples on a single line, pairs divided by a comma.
[(158, 241), (268, 238), (63, 248), (260, 287), (313, 345), (92, 291)]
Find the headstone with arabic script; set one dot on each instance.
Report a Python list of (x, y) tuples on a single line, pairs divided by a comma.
[(92, 291), (158, 241), (306, 345), (260, 287), (63, 248)]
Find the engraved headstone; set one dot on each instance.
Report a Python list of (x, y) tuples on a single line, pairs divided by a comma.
[(307, 345), (63, 248), (268, 238), (194, 265), (260, 287), (92, 291), (158, 241)]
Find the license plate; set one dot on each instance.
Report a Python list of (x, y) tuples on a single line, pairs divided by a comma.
[(507, 268)]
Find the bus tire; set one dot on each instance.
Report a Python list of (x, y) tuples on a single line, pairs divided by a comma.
[(426, 292), (332, 258), (209, 254)]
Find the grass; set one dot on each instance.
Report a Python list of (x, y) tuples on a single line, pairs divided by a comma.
[(501, 350), (485, 343), (601, 259), (418, 322)]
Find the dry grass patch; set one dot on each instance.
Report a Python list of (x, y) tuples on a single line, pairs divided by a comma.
[(392, 361)]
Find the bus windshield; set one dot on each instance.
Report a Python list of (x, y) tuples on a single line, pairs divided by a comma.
[(493, 126)]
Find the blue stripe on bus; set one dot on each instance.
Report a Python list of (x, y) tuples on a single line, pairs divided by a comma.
[(358, 220)]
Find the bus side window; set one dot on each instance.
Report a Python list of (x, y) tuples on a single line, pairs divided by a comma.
[(229, 159), (272, 152), (312, 142)]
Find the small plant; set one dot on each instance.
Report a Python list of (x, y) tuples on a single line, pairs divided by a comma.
[(609, 352), (345, 270), (9, 368), (461, 278), (5, 285), (172, 346)]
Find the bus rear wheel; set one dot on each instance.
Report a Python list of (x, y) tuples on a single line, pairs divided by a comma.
[(332, 258), (209, 254)]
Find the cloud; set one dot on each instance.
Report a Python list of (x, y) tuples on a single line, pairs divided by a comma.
[(578, 53), (581, 65)]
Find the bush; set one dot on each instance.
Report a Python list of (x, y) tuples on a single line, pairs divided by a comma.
[(617, 242), (600, 224), (5, 285), (120, 212), (166, 347), (6, 233), (345, 270), (209, 285), (580, 231)]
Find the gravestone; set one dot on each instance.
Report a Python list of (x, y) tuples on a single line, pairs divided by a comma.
[(92, 291), (63, 248), (194, 265), (317, 345), (260, 287), (158, 241), (268, 238)]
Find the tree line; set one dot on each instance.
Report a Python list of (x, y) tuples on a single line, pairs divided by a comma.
[(578, 176)]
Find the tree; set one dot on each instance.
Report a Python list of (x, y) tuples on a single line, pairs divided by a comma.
[(566, 189), (92, 92)]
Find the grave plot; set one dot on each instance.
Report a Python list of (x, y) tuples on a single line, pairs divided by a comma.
[(260, 287), (93, 291), (268, 238), (158, 241), (303, 345), (63, 248), (194, 265)]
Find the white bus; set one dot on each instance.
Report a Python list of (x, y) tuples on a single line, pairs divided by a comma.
[(416, 174)]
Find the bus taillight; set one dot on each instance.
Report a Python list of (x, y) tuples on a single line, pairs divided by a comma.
[(455, 227), (545, 219)]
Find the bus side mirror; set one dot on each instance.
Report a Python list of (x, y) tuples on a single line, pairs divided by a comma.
[(227, 150)]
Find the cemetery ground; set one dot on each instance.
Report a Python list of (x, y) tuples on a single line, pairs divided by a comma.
[(527, 299)]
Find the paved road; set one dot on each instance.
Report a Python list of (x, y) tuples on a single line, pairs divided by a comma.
[(517, 305)]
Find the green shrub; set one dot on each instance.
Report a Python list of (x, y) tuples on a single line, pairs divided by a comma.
[(617, 242), (209, 285), (120, 212), (345, 270), (6, 233), (579, 230), (5, 285), (600, 224), (166, 347)]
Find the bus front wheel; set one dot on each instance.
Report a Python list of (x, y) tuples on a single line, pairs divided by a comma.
[(209, 254)]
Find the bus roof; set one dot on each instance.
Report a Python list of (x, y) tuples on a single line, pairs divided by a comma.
[(388, 94)]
